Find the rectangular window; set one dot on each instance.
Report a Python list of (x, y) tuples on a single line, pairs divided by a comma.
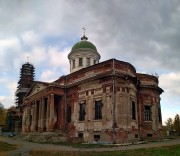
[(82, 112), (159, 114), (133, 110), (88, 61), (73, 63), (68, 114), (98, 109), (147, 113), (80, 62)]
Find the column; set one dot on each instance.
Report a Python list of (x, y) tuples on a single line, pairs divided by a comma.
[(61, 114), (23, 120), (39, 117), (28, 118), (42, 115), (35, 117), (51, 112), (32, 119), (47, 115)]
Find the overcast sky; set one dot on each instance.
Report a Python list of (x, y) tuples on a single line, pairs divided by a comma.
[(145, 33)]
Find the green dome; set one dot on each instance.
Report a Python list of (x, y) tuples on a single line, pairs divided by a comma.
[(84, 44)]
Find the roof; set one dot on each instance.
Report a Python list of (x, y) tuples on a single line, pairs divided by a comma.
[(84, 44)]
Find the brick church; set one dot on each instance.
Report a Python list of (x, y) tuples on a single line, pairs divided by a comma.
[(97, 102)]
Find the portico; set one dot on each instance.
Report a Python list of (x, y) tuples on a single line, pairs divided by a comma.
[(45, 113)]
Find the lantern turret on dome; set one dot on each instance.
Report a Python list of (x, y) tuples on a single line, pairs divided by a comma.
[(83, 54)]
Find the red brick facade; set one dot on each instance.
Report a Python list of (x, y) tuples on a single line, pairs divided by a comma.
[(120, 105)]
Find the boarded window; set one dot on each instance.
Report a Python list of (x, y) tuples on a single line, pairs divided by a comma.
[(68, 114), (98, 109), (82, 112), (133, 110), (147, 113)]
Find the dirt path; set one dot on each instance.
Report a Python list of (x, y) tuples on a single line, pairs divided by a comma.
[(25, 147)]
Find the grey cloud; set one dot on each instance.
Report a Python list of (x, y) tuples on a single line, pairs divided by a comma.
[(128, 24), (145, 33), (132, 25)]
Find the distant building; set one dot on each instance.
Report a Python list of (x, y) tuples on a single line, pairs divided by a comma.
[(102, 102)]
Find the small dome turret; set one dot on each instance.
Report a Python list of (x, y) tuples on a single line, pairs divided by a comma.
[(83, 54)]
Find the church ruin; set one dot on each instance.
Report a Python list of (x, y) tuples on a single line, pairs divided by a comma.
[(101, 102)]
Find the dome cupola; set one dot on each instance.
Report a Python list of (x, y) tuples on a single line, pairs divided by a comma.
[(84, 44), (83, 54)]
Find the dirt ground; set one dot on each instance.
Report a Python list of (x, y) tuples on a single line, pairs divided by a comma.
[(25, 147)]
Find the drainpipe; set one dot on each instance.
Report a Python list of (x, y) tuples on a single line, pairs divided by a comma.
[(113, 103), (138, 110), (65, 103)]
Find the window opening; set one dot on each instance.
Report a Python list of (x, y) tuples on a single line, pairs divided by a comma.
[(82, 112), (68, 114), (94, 61), (96, 137), (73, 63), (149, 135), (98, 109), (147, 113), (80, 135), (80, 62), (136, 135), (133, 110)]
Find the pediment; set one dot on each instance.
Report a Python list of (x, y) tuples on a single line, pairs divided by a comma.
[(37, 87)]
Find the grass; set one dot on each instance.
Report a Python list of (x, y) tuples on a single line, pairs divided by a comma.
[(6, 147), (160, 151)]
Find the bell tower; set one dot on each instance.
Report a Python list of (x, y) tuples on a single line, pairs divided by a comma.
[(25, 82)]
